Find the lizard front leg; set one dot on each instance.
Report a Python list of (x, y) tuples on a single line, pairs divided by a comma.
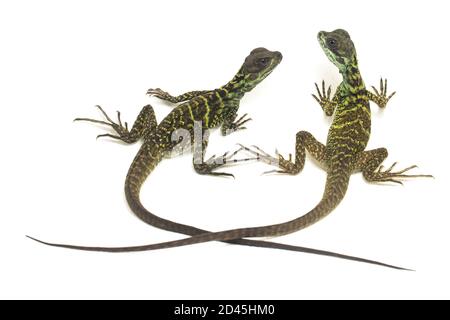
[(327, 103), (304, 141), (144, 125), (369, 162), (380, 97), (230, 124), (163, 95)]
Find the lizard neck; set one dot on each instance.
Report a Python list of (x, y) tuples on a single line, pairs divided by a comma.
[(353, 82), (236, 87)]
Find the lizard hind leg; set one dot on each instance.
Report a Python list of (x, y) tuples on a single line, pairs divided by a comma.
[(206, 167), (304, 141), (144, 125), (369, 162)]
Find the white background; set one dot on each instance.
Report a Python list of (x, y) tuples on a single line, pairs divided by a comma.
[(59, 59)]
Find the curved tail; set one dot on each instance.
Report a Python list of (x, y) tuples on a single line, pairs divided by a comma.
[(149, 159), (335, 189), (136, 177), (143, 164)]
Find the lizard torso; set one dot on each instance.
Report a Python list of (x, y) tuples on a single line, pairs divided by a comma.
[(209, 109)]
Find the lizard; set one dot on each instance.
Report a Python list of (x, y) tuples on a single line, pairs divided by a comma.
[(208, 109), (213, 108), (348, 137)]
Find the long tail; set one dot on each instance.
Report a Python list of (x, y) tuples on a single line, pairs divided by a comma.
[(148, 159)]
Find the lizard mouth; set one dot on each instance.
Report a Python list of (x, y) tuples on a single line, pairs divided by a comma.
[(267, 74), (321, 38), (275, 63)]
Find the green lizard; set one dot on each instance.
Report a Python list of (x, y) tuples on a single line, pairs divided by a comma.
[(202, 110), (347, 140), (211, 108)]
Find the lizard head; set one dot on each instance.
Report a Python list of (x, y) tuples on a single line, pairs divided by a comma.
[(258, 65), (338, 47)]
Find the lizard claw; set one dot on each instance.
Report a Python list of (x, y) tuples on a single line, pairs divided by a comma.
[(324, 99), (109, 136), (222, 174), (156, 92), (120, 129), (381, 97), (393, 176), (215, 162), (285, 166), (239, 123), (275, 171)]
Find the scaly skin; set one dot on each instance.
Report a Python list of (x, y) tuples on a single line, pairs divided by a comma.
[(211, 108), (343, 154), (146, 127)]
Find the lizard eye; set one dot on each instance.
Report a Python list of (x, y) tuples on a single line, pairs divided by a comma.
[(332, 43), (263, 61)]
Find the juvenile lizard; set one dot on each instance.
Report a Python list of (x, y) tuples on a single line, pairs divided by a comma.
[(202, 110), (212, 108), (343, 154)]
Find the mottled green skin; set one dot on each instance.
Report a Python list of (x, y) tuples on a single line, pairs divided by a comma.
[(344, 151), (347, 138), (343, 154), (211, 108)]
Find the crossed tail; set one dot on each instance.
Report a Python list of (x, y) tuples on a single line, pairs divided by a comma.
[(334, 193)]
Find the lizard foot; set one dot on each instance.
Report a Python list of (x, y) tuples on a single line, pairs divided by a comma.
[(286, 166), (324, 99), (239, 123), (122, 130), (159, 93), (381, 97), (389, 176), (215, 162)]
